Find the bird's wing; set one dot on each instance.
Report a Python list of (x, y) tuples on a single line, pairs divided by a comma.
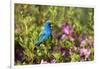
[(40, 40), (42, 37)]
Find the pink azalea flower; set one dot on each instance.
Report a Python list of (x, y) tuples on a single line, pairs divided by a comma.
[(53, 61), (85, 53), (67, 31), (63, 36), (83, 43), (43, 62)]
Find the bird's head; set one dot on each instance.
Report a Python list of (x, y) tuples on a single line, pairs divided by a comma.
[(48, 24)]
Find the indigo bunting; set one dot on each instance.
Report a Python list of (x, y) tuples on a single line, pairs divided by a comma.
[(45, 34)]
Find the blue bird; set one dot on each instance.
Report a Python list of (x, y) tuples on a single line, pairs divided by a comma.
[(45, 34)]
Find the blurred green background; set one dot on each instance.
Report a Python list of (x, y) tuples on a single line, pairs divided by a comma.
[(29, 21)]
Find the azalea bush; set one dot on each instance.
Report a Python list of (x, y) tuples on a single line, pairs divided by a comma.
[(72, 34)]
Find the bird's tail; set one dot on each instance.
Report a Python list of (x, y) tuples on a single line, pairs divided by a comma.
[(38, 43)]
